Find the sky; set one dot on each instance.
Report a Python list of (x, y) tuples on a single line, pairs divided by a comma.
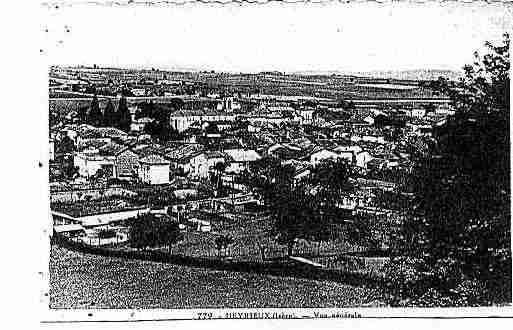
[(355, 37)]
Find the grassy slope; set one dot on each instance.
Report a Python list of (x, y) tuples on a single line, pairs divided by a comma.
[(85, 281)]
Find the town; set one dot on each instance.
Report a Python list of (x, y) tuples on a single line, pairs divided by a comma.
[(127, 143)]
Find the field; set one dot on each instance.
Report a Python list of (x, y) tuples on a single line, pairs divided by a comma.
[(80, 281), (251, 233)]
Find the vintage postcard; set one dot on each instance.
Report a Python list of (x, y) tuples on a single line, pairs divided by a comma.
[(276, 160)]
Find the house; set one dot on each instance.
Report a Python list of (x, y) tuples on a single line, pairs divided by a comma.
[(183, 119), (376, 164), (319, 155), (363, 158), (197, 166), (240, 159), (347, 155), (51, 151), (354, 148), (369, 120), (374, 138), (252, 128), (420, 127), (138, 91), (445, 109), (138, 125), (186, 159), (302, 169), (89, 163), (263, 119), (213, 158), (305, 115), (284, 152), (418, 112), (104, 219), (81, 134), (93, 145), (154, 169), (126, 161), (70, 230), (228, 104)]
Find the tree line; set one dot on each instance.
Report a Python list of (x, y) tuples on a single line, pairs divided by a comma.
[(454, 246), (109, 117)]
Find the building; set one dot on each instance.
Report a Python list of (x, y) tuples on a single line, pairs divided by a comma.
[(187, 159), (354, 148), (70, 230), (154, 169), (319, 155), (363, 158), (51, 151), (82, 134), (138, 125), (126, 161), (138, 91), (374, 138), (228, 104), (213, 158), (183, 119), (107, 218), (302, 169), (90, 163), (305, 115), (418, 112), (240, 159), (196, 165)]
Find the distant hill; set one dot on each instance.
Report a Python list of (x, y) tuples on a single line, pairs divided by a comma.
[(412, 74), (420, 74)]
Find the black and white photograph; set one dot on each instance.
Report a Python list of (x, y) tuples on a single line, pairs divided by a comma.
[(276, 160)]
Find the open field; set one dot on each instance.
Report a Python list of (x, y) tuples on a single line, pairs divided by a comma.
[(251, 233), (86, 281)]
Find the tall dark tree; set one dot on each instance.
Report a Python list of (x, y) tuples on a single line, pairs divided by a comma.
[(82, 115), (95, 117), (223, 242), (147, 231), (219, 168), (332, 179), (454, 246), (177, 103), (65, 145), (109, 115), (295, 212), (297, 215), (125, 118)]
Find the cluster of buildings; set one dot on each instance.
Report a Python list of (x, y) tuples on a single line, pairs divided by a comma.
[(294, 133), (224, 135)]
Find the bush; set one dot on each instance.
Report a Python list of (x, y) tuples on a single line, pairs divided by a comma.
[(107, 233), (150, 231), (410, 283)]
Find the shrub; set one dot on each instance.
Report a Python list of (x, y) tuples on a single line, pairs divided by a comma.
[(107, 233)]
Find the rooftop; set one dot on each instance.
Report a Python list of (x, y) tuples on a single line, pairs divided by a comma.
[(112, 149), (154, 160)]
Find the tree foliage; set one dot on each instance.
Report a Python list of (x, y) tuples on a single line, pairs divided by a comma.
[(147, 231), (110, 118), (296, 212), (125, 118), (160, 128), (65, 145), (456, 233), (95, 117), (331, 178), (223, 242)]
